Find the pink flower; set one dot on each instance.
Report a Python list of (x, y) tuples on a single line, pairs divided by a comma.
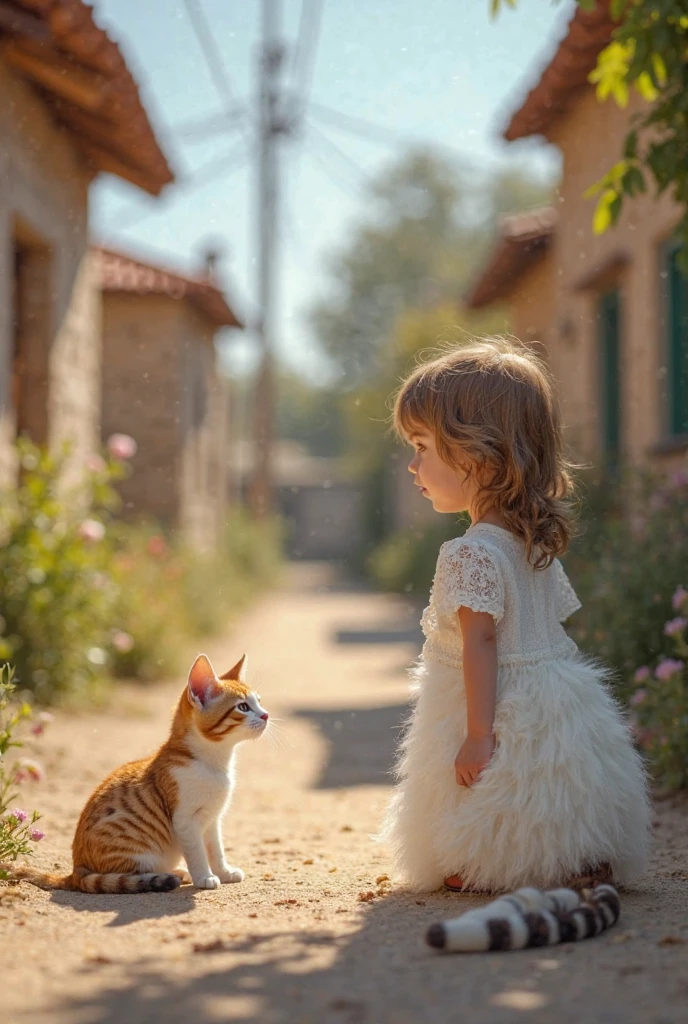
[(36, 835), (667, 668), (122, 642), (91, 531), (675, 626), (122, 447), (638, 697), (157, 547), (20, 815), (679, 598), (27, 769), (95, 463), (45, 718), (641, 674), (679, 479)]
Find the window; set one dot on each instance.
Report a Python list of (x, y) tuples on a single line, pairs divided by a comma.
[(677, 323), (609, 318)]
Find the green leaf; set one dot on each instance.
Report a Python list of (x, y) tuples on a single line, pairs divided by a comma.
[(620, 93), (659, 68), (602, 218), (587, 5), (646, 87), (495, 6), (631, 146), (615, 208), (633, 182)]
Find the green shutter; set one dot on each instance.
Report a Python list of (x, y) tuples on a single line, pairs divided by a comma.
[(678, 346), (610, 392)]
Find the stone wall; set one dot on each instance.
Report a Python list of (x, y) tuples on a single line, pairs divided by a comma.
[(142, 384), (561, 299), (160, 385), (44, 215), (203, 481)]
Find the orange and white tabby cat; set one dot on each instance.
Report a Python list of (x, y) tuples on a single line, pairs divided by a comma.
[(146, 815)]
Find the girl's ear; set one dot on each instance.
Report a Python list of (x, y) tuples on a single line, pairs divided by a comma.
[(202, 686), (238, 673)]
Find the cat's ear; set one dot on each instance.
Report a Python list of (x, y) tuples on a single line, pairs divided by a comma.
[(238, 673), (203, 685)]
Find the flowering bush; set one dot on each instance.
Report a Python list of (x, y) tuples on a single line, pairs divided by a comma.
[(660, 703), (169, 594), (17, 831), (629, 558), (84, 596), (147, 640), (405, 561), (57, 592)]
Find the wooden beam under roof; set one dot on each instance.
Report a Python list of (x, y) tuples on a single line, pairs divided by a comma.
[(102, 159), (59, 75), (19, 23)]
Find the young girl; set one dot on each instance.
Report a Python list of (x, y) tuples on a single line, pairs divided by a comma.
[(517, 767)]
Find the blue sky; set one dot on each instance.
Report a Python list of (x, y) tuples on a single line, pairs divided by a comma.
[(438, 71)]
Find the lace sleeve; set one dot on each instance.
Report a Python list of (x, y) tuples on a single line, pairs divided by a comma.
[(567, 602), (468, 577)]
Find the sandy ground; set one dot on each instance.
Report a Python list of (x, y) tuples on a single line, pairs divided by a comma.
[(312, 936)]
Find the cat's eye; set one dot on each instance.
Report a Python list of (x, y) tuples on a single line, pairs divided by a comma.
[(243, 707)]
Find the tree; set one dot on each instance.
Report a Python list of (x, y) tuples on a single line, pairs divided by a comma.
[(311, 415), (648, 52), (428, 231)]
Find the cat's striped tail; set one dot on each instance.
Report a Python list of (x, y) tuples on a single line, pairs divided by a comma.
[(529, 917), (83, 880)]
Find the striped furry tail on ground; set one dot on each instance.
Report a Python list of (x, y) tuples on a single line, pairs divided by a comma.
[(83, 880), (529, 917)]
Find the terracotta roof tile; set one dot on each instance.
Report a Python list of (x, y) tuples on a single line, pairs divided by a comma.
[(523, 239), (82, 75), (121, 273), (566, 75)]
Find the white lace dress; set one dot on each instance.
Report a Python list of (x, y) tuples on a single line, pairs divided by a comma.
[(565, 787)]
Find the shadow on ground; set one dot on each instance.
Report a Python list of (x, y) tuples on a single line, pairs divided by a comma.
[(139, 907), (383, 973), (361, 744), (395, 633)]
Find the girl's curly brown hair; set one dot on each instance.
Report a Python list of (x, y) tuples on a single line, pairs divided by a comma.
[(493, 401)]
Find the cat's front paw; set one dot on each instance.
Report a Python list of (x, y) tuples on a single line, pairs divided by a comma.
[(228, 874), (207, 882)]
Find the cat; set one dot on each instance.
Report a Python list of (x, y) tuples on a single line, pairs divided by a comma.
[(148, 814), (529, 917)]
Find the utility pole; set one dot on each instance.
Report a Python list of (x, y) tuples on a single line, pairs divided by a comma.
[(271, 125)]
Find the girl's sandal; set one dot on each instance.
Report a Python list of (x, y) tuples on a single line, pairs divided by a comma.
[(455, 884)]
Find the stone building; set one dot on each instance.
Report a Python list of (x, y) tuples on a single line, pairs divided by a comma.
[(161, 384), (69, 109), (319, 500), (610, 311)]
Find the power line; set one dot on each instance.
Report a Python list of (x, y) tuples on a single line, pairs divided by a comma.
[(327, 144), (203, 175), (212, 124), (342, 182), (380, 134), (213, 57), (303, 66)]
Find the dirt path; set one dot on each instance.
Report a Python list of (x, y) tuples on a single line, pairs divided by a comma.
[(295, 943)]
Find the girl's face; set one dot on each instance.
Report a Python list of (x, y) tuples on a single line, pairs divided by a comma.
[(449, 488)]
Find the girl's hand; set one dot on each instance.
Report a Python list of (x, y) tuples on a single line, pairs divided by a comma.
[(474, 755)]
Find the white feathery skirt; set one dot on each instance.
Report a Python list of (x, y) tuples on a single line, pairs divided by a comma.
[(565, 787)]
